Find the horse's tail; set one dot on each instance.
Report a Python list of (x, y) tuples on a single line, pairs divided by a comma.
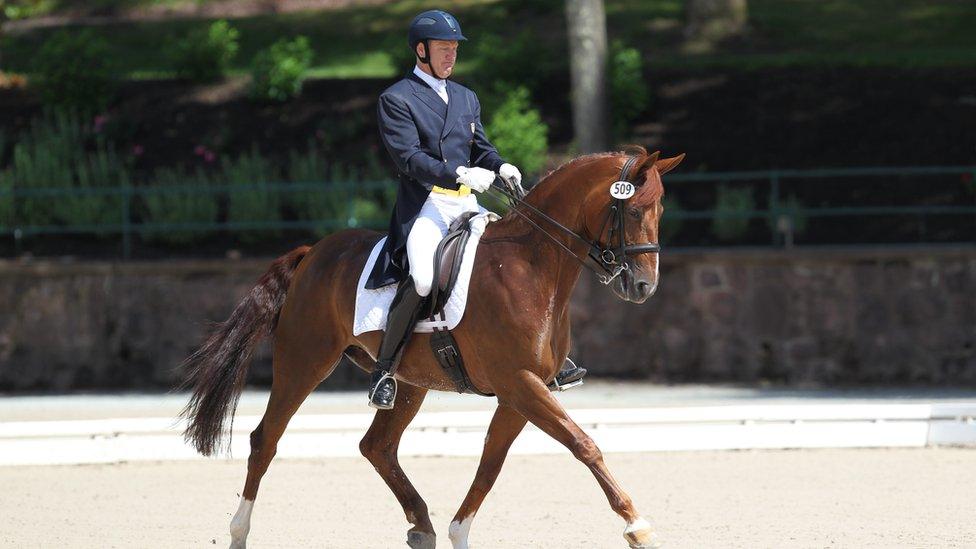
[(217, 370)]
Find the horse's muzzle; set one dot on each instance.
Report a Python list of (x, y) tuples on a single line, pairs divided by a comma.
[(634, 291)]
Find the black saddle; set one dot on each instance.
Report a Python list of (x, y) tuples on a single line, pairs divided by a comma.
[(447, 263)]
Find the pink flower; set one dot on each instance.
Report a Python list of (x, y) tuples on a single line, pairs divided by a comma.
[(209, 156), (99, 122), (200, 150), (137, 150)]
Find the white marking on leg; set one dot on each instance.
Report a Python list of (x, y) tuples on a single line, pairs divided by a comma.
[(640, 536), (240, 525), (637, 525), (458, 532)]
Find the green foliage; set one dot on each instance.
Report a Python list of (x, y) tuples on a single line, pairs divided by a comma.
[(399, 53), (325, 203), (360, 39), (731, 212), (23, 9), (506, 62), (6, 200), (255, 205), (628, 90), (338, 198), (278, 71), (518, 132), (671, 221), (73, 71), (52, 155), (791, 209), (204, 55), (366, 212), (178, 207)]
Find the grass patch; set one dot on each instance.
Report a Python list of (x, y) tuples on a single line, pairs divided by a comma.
[(367, 41)]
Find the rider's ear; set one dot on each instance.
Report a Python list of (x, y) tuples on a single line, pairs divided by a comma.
[(665, 165)]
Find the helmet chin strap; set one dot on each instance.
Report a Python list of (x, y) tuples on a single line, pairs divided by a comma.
[(426, 59)]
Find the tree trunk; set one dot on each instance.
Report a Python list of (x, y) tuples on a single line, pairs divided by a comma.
[(588, 62), (708, 22)]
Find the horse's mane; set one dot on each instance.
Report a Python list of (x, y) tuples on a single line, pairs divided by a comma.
[(645, 193)]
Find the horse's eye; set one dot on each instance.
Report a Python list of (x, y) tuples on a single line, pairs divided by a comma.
[(633, 212)]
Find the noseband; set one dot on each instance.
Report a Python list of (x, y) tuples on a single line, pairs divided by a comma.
[(607, 261)]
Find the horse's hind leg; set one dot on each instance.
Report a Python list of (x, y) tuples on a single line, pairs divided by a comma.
[(380, 445), (532, 399), (505, 425), (296, 373)]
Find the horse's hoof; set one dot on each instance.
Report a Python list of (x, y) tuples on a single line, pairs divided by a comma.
[(421, 540), (640, 535)]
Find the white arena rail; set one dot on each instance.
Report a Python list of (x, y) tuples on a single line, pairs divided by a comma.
[(723, 427)]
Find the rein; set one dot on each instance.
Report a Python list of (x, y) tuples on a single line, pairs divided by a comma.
[(606, 262)]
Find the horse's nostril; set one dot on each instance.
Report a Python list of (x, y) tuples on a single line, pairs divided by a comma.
[(643, 288)]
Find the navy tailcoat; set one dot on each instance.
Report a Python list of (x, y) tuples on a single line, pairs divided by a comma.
[(427, 140)]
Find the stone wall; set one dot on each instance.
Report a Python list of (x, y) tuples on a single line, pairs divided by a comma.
[(893, 317)]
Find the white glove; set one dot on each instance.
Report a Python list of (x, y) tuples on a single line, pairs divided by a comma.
[(513, 177), (479, 179)]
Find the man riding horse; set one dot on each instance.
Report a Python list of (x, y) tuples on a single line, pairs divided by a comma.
[(432, 129)]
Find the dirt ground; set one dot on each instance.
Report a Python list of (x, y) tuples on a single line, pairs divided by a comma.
[(809, 498)]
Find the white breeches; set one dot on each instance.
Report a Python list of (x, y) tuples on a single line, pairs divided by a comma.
[(428, 229)]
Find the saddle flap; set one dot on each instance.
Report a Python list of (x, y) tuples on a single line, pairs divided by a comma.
[(447, 261)]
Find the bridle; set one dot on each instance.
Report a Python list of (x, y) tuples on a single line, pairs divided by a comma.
[(606, 261)]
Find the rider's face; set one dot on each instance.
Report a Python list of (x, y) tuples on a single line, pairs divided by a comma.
[(443, 55)]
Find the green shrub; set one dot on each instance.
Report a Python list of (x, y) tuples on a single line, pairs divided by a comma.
[(51, 154), (73, 71), (252, 205), (324, 204), (504, 63), (6, 200), (671, 221), (731, 206), (100, 168), (23, 9), (518, 132), (398, 51), (278, 72), (178, 207), (628, 91), (791, 209), (204, 55), (366, 212)]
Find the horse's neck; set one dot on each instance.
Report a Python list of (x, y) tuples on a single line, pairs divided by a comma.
[(552, 266)]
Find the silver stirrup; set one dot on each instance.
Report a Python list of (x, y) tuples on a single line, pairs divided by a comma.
[(369, 397), (566, 387)]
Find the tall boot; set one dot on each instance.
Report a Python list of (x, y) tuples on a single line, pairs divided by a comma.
[(400, 321)]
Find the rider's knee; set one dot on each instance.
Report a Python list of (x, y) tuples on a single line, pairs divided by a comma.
[(422, 283)]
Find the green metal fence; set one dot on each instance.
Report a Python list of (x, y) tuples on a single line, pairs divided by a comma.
[(956, 204)]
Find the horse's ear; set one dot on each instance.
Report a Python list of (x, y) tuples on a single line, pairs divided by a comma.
[(649, 161), (665, 165)]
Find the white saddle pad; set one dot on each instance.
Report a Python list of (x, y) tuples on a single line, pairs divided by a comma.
[(372, 305)]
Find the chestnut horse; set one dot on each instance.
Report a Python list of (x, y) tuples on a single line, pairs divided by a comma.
[(514, 336)]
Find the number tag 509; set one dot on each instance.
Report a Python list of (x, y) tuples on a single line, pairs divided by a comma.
[(622, 189)]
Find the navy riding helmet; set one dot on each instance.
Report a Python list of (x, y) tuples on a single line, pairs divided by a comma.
[(433, 25)]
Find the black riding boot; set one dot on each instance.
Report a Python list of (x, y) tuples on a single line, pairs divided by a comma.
[(400, 322), (569, 376)]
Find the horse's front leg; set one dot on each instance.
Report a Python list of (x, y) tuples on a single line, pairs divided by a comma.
[(380, 445), (505, 425), (530, 397)]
